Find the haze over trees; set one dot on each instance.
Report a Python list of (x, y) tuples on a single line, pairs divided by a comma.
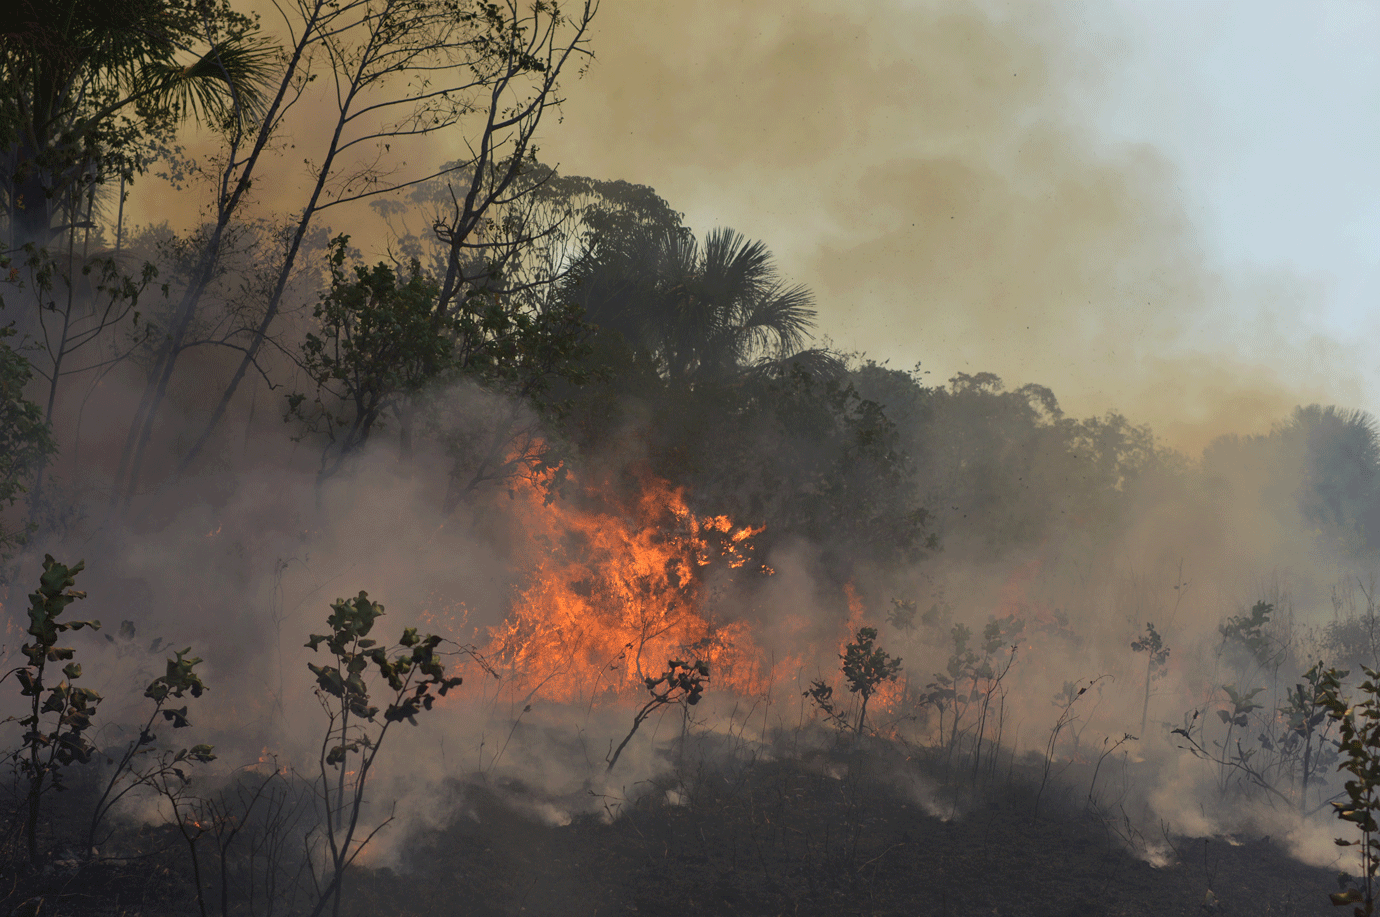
[(385, 292)]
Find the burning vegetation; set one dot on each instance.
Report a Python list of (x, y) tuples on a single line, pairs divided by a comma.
[(522, 532)]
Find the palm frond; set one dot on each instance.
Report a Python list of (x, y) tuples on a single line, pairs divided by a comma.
[(818, 363), (781, 318), (227, 84)]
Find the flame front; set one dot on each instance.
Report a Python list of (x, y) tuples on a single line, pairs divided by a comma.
[(617, 587)]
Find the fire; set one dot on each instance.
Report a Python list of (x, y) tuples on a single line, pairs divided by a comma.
[(617, 587)]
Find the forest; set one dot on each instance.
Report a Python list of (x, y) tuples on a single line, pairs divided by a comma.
[(696, 611)]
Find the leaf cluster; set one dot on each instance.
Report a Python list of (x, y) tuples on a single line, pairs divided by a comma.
[(413, 670), (1248, 632), (1359, 745), (686, 678), (866, 665), (74, 706), (1152, 644), (26, 442)]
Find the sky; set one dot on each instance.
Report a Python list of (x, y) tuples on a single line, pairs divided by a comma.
[(1171, 210)]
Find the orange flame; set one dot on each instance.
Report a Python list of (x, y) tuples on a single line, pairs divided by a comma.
[(618, 588)]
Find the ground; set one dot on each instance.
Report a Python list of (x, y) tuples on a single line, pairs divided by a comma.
[(843, 831)]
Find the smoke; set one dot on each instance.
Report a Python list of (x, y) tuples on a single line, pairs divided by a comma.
[(935, 173), (929, 170)]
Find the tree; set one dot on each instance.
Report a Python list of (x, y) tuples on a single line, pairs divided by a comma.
[(1322, 463), (1340, 453), (402, 70), (25, 439), (59, 715), (413, 676), (88, 91), (375, 342), (705, 311), (865, 667)]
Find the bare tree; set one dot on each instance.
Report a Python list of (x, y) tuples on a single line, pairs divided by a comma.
[(397, 70)]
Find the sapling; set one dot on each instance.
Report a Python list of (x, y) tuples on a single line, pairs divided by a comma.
[(1108, 747), (1156, 657), (865, 667), (1065, 701), (179, 680), (1306, 726), (169, 778), (681, 683), (994, 636), (50, 744), (413, 672), (1249, 632), (1358, 723), (1242, 705), (979, 671), (902, 614)]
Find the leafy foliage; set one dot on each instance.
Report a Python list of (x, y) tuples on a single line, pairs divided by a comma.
[(378, 339), (89, 91), (55, 729), (179, 680), (704, 311), (413, 673), (1249, 633), (681, 683), (25, 439), (1358, 724), (865, 667)]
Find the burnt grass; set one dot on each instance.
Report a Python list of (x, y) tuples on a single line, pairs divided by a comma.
[(836, 832), (840, 834)]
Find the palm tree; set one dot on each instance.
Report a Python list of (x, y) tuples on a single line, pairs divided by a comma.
[(85, 87), (705, 312), (1339, 455)]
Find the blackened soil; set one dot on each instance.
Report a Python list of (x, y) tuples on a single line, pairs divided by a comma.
[(838, 834), (785, 838)]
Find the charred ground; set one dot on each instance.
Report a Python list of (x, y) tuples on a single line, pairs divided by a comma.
[(856, 831)]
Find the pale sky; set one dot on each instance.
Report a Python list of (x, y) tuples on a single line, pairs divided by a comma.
[(1273, 116), (1170, 209)]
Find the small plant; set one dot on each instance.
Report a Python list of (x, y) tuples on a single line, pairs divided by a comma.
[(865, 667), (1065, 701), (902, 614), (412, 671), (1359, 727), (1156, 658), (55, 729), (983, 674), (169, 777), (1306, 726), (179, 680), (1248, 632), (1109, 746), (679, 684), (1237, 715)]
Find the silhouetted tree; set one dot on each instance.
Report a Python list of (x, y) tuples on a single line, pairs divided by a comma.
[(705, 311)]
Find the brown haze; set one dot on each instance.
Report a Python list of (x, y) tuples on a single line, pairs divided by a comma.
[(929, 171), (932, 171)]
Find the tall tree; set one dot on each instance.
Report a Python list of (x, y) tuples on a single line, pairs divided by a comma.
[(705, 311), (399, 70), (88, 90)]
